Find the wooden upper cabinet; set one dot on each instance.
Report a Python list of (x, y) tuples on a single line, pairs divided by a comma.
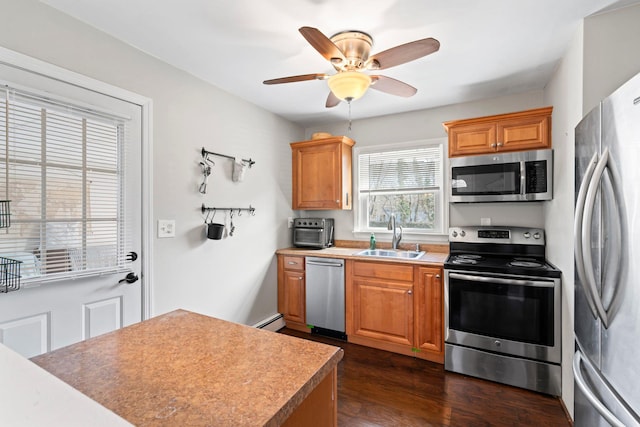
[(322, 174), (524, 130)]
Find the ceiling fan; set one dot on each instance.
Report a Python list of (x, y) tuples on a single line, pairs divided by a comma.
[(348, 52)]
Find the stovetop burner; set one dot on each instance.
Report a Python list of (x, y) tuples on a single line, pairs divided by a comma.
[(468, 259), (525, 262)]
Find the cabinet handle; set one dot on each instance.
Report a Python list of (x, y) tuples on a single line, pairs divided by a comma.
[(500, 144), (494, 145), (347, 197), (292, 263), (437, 276)]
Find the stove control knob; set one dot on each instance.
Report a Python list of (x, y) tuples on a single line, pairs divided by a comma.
[(527, 234), (454, 233), (462, 233), (537, 235)]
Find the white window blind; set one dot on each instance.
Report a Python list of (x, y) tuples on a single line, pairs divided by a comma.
[(61, 168), (406, 182), (404, 170)]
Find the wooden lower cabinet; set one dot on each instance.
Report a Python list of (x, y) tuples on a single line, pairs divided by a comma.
[(320, 408), (429, 311), (396, 307), (291, 291)]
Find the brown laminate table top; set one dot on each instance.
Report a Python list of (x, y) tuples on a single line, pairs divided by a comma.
[(187, 369)]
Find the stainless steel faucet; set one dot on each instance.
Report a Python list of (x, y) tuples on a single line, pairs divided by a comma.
[(396, 231)]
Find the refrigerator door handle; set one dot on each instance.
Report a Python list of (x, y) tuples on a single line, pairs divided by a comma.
[(578, 229), (590, 202), (582, 384)]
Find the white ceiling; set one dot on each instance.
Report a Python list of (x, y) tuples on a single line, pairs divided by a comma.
[(488, 48)]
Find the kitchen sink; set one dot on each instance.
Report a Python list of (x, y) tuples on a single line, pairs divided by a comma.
[(388, 253)]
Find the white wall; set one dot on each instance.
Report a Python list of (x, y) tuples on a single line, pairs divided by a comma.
[(233, 279), (611, 52), (427, 124), (564, 92)]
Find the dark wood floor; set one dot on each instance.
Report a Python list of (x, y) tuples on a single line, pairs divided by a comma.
[(378, 388)]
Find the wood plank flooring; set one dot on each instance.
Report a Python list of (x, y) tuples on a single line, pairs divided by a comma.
[(379, 388)]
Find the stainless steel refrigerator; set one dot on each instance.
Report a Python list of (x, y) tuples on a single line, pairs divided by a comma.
[(606, 363)]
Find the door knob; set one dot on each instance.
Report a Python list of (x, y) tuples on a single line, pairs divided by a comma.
[(130, 278)]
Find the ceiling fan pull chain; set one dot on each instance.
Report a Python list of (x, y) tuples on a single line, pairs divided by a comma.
[(349, 102)]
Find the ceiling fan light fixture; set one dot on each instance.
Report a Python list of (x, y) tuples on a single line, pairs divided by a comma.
[(349, 85)]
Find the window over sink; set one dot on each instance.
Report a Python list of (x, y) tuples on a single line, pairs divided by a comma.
[(401, 179)]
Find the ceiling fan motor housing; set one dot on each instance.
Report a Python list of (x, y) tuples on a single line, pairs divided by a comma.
[(356, 46)]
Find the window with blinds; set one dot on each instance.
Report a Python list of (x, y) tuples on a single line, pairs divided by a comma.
[(61, 167), (406, 182)]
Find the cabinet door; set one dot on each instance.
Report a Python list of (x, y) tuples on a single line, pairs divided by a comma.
[(429, 310), (524, 133), (383, 310), (317, 177), (472, 138), (294, 297)]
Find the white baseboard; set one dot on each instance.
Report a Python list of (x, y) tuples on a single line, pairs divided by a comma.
[(273, 323)]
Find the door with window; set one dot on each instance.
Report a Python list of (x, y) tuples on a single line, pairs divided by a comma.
[(70, 166)]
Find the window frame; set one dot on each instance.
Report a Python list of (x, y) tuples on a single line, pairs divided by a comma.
[(360, 228)]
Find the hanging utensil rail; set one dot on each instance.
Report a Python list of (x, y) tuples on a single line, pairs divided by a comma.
[(205, 153), (250, 209)]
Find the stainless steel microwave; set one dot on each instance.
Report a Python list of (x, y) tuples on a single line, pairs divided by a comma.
[(502, 177)]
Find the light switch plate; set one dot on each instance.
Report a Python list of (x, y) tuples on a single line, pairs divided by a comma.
[(166, 228)]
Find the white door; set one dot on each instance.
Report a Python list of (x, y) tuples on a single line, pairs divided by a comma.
[(49, 312)]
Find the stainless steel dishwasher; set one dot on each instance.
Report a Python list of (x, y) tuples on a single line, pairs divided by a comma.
[(325, 296)]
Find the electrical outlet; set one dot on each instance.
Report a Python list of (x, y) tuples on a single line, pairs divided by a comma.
[(166, 228), (289, 222), (485, 221)]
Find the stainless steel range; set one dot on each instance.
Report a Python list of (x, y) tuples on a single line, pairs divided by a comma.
[(503, 308)]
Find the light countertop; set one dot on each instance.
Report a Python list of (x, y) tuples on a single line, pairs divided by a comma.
[(31, 396), (429, 258), (183, 368)]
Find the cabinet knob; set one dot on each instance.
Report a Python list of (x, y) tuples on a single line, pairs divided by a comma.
[(409, 292), (494, 145), (337, 201), (299, 278), (500, 144), (437, 276)]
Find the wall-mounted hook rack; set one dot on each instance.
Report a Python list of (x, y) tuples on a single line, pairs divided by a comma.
[(250, 209), (205, 153)]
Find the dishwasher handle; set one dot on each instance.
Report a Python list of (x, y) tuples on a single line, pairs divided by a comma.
[(326, 263)]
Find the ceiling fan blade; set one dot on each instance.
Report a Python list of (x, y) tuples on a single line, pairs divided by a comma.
[(403, 53), (392, 86), (332, 100), (322, 44), (292, 79)]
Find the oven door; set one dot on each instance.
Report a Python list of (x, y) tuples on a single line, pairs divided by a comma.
[(519, 316)]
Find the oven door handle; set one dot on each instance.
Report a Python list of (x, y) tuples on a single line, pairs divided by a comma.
[(589, 206), (502, 281), (316, 230), (578, 226)]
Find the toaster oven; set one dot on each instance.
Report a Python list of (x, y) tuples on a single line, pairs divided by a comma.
[(313, 232)]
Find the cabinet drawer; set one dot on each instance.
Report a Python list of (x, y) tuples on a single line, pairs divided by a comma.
[(294, 263), (383, 271)]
